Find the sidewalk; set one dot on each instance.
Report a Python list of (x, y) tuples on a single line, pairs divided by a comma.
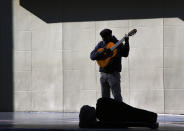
[(38, 121)]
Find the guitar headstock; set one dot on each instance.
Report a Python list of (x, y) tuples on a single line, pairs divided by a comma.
[(132, 32)]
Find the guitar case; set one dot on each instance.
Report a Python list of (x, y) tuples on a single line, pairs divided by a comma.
[(112, 113), (87, 117)]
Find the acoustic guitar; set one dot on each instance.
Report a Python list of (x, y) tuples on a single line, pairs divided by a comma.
[(112, 46)]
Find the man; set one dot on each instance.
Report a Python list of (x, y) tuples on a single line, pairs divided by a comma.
[(110, 74)]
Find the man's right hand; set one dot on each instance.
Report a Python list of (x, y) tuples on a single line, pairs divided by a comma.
[(105, 54), (108, 52)]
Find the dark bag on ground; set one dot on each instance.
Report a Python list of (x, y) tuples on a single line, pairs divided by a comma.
[(111, 111), (87, 117)]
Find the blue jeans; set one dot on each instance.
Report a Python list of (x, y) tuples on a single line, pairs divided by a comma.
[(111, 82)]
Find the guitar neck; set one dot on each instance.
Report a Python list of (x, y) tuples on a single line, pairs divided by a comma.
[(117, 44), (131, 33)]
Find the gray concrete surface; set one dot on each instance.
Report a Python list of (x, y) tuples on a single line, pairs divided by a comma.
[(69, 121), (51, 65)]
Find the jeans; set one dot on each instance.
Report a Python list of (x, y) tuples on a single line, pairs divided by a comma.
[(111, 82)]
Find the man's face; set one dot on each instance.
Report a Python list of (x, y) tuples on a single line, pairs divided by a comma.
[(107, 38)]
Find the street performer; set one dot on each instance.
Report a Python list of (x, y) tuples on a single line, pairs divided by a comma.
[(110, 74)]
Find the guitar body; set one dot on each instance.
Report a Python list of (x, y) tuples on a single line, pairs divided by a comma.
[(105, 62)]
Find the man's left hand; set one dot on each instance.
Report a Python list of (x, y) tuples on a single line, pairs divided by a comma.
[(126, 38)]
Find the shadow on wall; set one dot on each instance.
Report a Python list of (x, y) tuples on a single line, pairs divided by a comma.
[(6, 59), (52, 11)]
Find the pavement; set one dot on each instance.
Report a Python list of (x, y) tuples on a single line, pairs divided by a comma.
[(57, 121)]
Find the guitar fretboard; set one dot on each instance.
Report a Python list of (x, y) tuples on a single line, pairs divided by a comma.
[(117, 44)]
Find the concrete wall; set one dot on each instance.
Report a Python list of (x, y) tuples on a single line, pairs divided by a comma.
[(52, 69)]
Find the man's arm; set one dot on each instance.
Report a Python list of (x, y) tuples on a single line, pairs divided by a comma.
[(94, 55), (124, 49)]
